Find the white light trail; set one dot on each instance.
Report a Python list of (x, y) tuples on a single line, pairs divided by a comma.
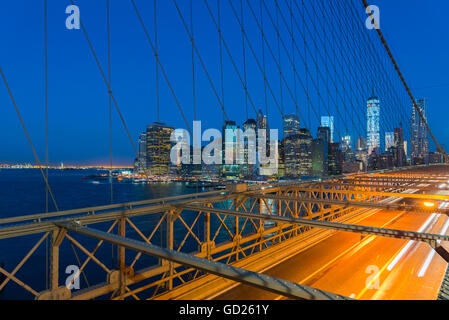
[(409, 244), (432, 252)]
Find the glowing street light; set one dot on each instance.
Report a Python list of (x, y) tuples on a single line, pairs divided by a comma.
[(429, 204)]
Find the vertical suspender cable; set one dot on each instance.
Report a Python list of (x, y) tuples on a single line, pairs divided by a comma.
[(244, 60), (156, 54), (221, 51), (33, 149), (438, 146), (262, 34), (279, 58), (293, 54), (305, 62), (46, 137), (110, 113), (193, 74), (193, 62), (46, 105), (110, 100)]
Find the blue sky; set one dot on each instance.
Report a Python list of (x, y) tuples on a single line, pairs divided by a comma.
[(78, 104)]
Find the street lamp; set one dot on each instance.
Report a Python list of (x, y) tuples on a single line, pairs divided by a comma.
[(429, 204)]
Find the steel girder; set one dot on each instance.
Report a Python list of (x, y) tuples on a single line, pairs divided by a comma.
[(261, 281)]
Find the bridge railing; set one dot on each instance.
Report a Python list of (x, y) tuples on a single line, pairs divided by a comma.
[(40, 256), (104, 270)]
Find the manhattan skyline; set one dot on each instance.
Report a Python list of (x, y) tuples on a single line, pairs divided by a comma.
[(78, 108)]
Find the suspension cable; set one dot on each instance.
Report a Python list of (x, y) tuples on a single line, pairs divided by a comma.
[(156, 55), (193, 62), (220, 50), (244, 60), (201, 60), (46, 100), (46, 139), (262, 34), (110, 99), (139, 17), (235, 65), (418, 109), (38, 162)]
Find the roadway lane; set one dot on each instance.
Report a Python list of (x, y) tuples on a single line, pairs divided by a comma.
[(363, 270), (314, 262), (413, 276), (359, 267)]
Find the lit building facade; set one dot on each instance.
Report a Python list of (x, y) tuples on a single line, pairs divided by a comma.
[(328, 121), (291, 155), (335, 159), (305, 153), (389, 140), (419, 147), (291, 125), (230, 168), (158, 146), (318, 158), (373, 125), (141, 162), (320, 161), (400, 156), (248, 169), (290, 145)]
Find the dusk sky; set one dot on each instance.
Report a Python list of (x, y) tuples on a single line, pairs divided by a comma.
[(416, 31)]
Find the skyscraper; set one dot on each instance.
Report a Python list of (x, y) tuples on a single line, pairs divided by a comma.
[(323, 135), (328, 121), (348, 154), (142, 156), (230, 168), (305, 153), (318, 158), (291, 125), (291, 145), (389, 140), (346, 142), (361, 153), (335, 159), (262, 124), (419, 148), (291, 155), (401, 154), (373, 127), (361, 144), (158, 148), (248, 170)]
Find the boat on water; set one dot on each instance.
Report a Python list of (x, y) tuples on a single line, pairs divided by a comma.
[(97, 177), (125, 179), (202, 185), (140, 180)]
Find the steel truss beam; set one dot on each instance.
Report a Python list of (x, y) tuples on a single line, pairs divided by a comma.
[(410, 175), (376, 193), (386, 185), (356, 204), (395, 179), (431, 239), (275, 285), (127, 207), (26, 225)]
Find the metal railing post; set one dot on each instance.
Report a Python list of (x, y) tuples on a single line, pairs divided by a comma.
[(54, 260), (121, 256), (207, 235), (169, 242)]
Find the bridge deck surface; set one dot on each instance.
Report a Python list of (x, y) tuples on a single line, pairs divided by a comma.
[(345, 263)]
